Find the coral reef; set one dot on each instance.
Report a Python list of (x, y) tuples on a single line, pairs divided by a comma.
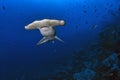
[(110, 38), (99, 62)]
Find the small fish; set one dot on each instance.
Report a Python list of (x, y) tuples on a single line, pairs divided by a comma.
[(95, 10), (84, 6), (77, 26), (104, 16), (96, 16), (105, 8), (3, 7), (94, 26), (85, 11), (86, 22), (113, 13), (119, 8), (111, 5)]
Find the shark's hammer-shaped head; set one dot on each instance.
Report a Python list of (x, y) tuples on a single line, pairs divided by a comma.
[(32, 25), (46, 28)]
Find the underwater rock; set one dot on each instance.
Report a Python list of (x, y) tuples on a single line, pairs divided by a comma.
[(99, 61), (110, 36), (116, 48), (107, 66), (91, 64), (87, 64), (111, 61), (62, 73), (86, 74), (114, 75), (78, 57), (115, 67)]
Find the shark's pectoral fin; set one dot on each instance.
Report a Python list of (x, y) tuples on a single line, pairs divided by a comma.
[(59, 39), (43, 40)]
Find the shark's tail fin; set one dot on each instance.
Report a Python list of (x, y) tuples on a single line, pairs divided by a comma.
[(59, 39)]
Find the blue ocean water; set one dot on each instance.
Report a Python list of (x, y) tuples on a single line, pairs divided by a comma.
[(22, 59)]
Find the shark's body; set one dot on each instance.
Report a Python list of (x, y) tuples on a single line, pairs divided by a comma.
[(46, 28)]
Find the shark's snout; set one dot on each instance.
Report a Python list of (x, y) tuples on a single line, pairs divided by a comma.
[(62, 22), (27, 28)]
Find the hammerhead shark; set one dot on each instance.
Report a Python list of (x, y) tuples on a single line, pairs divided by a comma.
[(46, 28)]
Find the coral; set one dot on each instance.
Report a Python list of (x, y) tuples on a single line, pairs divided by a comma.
[(86, 74), (110, 37), (111, 60), (89, 68), (100, 61)]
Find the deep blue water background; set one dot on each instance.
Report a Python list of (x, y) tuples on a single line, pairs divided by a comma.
[(19, 54)]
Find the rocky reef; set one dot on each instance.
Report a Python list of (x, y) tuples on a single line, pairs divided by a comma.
[(101, 61)]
